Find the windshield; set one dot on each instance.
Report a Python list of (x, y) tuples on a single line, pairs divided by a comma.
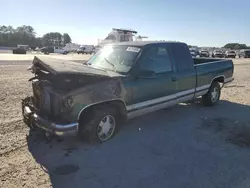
[(204, 51), (115, 58)]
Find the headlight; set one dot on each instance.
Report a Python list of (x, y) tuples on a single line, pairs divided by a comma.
[(68, 102)]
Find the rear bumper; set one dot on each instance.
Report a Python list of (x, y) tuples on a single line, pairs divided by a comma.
[(33, 119)]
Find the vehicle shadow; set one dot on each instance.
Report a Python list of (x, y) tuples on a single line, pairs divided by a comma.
[(162, 149)]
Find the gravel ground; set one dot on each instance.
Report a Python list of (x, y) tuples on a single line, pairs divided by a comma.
[(185, 146)]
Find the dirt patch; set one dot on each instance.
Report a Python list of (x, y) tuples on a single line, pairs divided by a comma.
[(236, 132)]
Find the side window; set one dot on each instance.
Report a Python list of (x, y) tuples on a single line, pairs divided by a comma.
[(156, 59)]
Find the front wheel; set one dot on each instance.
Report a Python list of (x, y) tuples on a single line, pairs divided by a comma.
[(213, 95), (101, 126)]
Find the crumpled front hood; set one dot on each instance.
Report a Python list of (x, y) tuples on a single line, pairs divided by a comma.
[(67, 75), (59, 66)]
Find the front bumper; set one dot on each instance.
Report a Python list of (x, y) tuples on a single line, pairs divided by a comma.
[(33, 119)]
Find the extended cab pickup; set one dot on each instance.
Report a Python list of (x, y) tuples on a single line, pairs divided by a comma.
[(119, 82)]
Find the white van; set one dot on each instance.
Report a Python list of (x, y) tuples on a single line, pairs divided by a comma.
[(85, 49)]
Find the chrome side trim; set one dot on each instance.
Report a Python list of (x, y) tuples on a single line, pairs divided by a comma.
[(203, 87), (179, 94), (185, 98), (150, 102), (200, 93), (159, 100), (160, 106), (143, 111)]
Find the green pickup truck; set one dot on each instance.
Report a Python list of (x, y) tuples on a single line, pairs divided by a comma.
[(119, 82)]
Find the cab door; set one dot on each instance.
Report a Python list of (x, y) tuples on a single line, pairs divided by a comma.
[(154, 84)]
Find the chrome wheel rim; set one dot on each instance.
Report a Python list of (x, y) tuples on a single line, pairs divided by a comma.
[(106, 128), (215, 94)]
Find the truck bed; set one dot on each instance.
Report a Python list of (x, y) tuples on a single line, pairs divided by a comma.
[(208, 69)]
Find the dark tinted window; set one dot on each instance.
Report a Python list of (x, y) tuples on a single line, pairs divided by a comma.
[(182, 57), (156, 59)]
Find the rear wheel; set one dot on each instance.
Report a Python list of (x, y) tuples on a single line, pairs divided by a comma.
[(100, 127), (213, 95)]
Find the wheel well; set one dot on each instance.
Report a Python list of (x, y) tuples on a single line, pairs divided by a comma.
[(86, 113), (219, 79)]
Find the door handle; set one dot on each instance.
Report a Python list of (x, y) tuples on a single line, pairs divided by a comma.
[(174, 79)]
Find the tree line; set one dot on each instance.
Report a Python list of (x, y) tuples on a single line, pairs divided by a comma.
[(26, 35), (236, 46)]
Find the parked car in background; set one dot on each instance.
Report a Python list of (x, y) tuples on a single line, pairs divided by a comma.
[(121, 81), (54, 49), (86, 49), (230, 54), (217, 53), (244, 54), (194, 52), (21, 49), (204, 53)]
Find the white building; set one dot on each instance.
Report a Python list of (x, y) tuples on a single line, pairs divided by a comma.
[(118, 35)]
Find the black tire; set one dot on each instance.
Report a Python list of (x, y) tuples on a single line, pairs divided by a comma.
[(209, 99), (88, 129)]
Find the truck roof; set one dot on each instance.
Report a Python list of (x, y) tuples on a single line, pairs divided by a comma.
[(144, 43)]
